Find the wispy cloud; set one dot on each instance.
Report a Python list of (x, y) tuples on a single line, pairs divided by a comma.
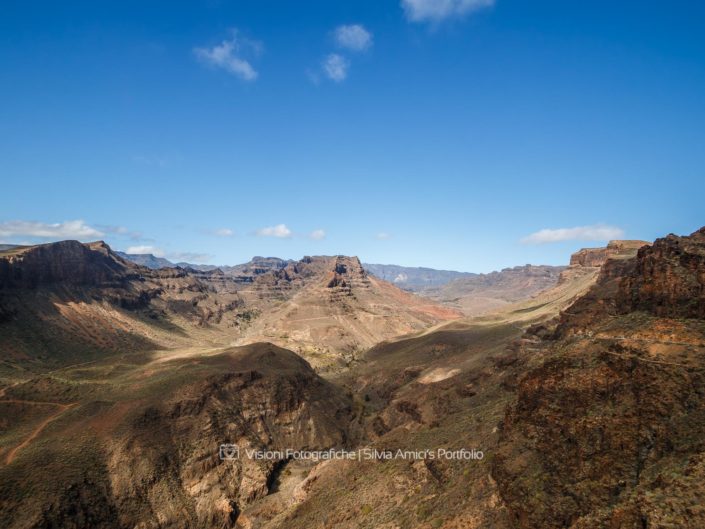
[(596, 232), (353, 37), (224, 232), (230, 54), (383, 236), (280, 231), (120, 231), (336, 67), (70, 229), (439, 10), (189, 257), (317, 235), (142, 249)]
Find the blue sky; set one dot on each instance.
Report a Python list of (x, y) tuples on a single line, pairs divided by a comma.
[(449, 134)]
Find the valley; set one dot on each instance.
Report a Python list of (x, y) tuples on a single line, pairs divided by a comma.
[(120, 382)]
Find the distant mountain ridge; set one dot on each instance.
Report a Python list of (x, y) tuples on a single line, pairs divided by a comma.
[(5, 247), (468, 292), (414, 278), (482, 293), (149, 260)]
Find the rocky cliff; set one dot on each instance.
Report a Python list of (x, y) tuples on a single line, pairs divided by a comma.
[(65, 301), (668, 278), (606, 430), (598, 256), (66, 262)]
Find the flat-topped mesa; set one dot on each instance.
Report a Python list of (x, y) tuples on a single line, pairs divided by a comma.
[(665, 279), (596, 257)]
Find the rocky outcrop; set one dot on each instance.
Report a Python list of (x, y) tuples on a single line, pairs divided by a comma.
[(596, 257), (606, 430), (68, 300), (668, 279), (66, 262)]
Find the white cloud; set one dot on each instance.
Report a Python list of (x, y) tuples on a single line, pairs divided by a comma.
[(70, 229), (383, 236), (141, 250), (353, 37), (224, 232), (228, 55), (438, 10), (189, 257), (317, 235), (596, 232), (280, 231), (336, 67)]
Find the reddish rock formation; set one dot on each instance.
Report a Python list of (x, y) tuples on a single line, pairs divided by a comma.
[(607, 428), (598, 256), (668, 279)]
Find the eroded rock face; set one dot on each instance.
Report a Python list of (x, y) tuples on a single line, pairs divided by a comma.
[(607, 428), (66, 262), (669, 278), (598, 256), (277, 404), (154, 458)]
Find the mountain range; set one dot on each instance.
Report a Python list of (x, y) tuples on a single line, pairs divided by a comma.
[(119, 382), (470, 293)]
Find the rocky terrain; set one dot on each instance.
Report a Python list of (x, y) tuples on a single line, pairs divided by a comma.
[(321, 304), (470, 293), (482, 293), (596, 257), (606, 426), (448, 388), (65, 301), (586, 400), (143, 449)]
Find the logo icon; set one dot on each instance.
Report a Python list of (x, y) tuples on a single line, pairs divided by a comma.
[(229, 452)]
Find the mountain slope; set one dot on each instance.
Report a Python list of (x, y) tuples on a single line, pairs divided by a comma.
[(447, 388), (444, 389), (61, 302), (482, 293), (606, 429), (135, 443), (322, 304)]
